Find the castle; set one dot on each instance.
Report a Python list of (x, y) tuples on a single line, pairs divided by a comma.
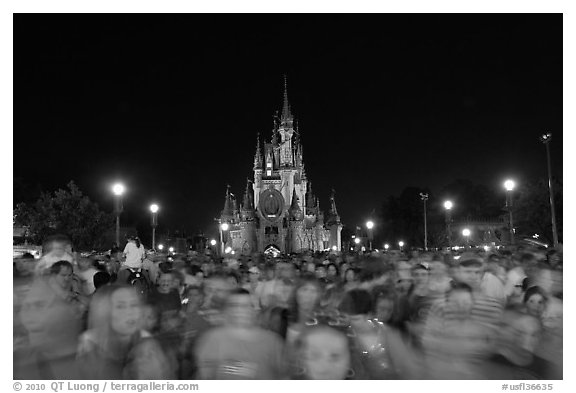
[(279, 211)]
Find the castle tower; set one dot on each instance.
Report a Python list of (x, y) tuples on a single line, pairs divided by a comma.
[(247, 224), (296, 224), (334, 224)]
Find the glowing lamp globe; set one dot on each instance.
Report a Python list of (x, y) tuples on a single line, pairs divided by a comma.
[(118, 189), (509, 185)]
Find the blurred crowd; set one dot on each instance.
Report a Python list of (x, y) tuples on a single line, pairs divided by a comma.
[(481, 314)]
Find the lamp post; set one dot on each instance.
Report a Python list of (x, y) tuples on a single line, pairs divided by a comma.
[(118, 189), (370, 225), (154, 210), (401, 244), (448, 207), (223, 227), (424, 198), (509, 185), (386, 246), (160, 247), (546, 138), (466, 233)]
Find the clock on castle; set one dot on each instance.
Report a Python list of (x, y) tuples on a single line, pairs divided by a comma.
[(279, 212)]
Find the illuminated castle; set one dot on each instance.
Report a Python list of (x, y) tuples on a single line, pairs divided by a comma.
[(279, 212)]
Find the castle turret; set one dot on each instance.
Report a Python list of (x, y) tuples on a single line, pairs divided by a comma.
[(334, 225), (227, 214), (247, 211), (258, 155)]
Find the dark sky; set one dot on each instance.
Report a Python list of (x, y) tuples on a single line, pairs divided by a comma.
[(172, 104)]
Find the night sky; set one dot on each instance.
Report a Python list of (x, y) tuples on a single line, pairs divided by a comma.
[(172, 104)]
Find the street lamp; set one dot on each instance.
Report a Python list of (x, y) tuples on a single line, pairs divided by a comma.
[(171, 249), (118, 189), (357, 240), (370, 225), (448, 207), (424, 198), (160, 247), (386, 246), (545, 139), (466, 234), (401, 244), (213, 242), (223, 227), (154, 210), (509, 185)]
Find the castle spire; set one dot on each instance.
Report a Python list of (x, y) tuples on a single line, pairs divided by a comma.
[(333, 210), (258, 155), (286, 107), (295, 211), (227, 212), (248, 205), (334, 217)]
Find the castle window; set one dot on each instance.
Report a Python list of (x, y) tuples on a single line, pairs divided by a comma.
[(268, 173)]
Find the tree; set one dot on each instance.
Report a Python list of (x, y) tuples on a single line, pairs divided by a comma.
[(69, 212), (532, 209)]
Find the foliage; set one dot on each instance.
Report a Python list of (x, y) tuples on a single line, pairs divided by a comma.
[(69, 212), (401, 217), (532, 210)]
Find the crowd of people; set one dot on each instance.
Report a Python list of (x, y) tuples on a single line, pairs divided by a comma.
[(481, 314)]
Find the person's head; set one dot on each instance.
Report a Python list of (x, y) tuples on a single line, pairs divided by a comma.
[(420, 275), (216, 290), (350, 275), (308, 293), (253, 274), (284, 292), (321, 271), (357, 305), (460, 300), (85, 263), (238, 309), (196, 272), (100, 279), (470, 271), (177, 279), (311, 267), (535, 301), (61, 273), (194, 298), (332, 271), (57, 243), (325, 353), (53, 324), (150, 318), (384, 305), (166, 282)]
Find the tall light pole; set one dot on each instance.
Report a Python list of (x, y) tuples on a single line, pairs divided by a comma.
[(448, 206), (370, 225), (400, 244), (118, 189), (466, 233), (509, 185), (154, 210), (546, 138), (424, 198), (223, 227)]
